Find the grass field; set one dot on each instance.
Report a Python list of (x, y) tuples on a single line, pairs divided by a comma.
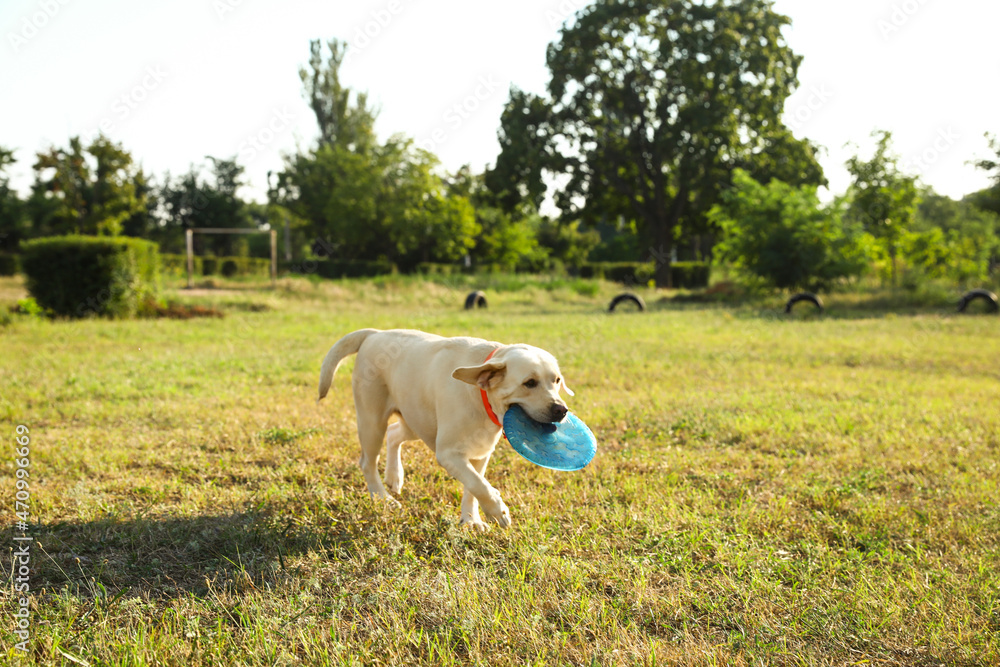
[(805, 490)]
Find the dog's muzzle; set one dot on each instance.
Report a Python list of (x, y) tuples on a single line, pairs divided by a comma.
[(557, 412)]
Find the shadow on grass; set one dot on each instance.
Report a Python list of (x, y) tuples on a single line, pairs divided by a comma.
[(163, 556)]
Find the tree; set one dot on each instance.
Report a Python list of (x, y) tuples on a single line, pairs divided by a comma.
[(340, 122), (989, 198), (566, 242), (144, 223), (510, 229), (951, 239), (883, 199), (507, 243), (784, 157), (365, 199), (91, 190), (781, 234), (422, 221), (13, 217), (525, 152), (193, 201), (652, 103)]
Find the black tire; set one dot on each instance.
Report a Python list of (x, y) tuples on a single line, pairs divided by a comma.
[(627, 296), (988, 296), (475, 300), (803, 296)]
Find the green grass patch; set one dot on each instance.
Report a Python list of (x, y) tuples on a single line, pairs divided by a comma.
[(804, 490)]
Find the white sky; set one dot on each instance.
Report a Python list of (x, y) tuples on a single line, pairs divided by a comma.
[(177, 81)]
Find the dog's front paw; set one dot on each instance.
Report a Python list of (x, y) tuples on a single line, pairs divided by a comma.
[(500, 514), (393, 481), (385, 498), (474, 523)]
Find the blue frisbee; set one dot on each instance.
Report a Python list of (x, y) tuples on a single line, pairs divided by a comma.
[(565, 445)]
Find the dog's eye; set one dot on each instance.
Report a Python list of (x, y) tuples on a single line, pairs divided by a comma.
[(531, 384)]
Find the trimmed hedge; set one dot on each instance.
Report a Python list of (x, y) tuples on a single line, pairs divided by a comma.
[(435, 269), (176, 266), (688, 275), (8, 264), (80, 276), (340, 268)]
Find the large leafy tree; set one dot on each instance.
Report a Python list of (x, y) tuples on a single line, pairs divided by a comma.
[(883, 198), (341, 121), (525, 153), (652, 103), (363, 198), (85, 190)]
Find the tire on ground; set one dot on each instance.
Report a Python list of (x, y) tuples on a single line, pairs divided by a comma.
[(988, 296), (629, 297), (475, 299), (803, 296)]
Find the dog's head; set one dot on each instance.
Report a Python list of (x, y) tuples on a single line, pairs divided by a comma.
[(522, 375)]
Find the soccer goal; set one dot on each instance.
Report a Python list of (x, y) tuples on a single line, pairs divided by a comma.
[(235, 230)]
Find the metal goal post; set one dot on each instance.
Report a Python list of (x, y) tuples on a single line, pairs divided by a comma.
[(189, 233)]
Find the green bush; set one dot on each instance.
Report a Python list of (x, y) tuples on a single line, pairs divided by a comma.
[(8, 264), (176, 265), (435, 269), (79, 276), (690, 275), (341, 268), (28, 307), (687, 275), (784, 236)]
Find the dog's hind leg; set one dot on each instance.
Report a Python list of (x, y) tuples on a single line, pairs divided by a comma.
[(372, 422), (395, 436)]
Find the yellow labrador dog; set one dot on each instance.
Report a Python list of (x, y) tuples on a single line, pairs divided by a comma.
[(452, 393)]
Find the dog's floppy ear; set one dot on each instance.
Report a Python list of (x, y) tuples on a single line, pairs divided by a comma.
[(566, 387), (484, 376)]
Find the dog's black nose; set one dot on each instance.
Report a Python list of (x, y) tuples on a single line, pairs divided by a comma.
[(557, 412)]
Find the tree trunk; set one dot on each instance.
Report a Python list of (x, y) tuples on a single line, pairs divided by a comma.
[(892, 265), (664, 246), (663, 238)]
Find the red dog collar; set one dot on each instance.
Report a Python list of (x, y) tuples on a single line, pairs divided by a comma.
[(486, 401)]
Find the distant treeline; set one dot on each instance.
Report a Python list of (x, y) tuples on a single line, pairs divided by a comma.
[(657, 141)]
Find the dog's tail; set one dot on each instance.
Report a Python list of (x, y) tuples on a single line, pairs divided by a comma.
[(345, 347)]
